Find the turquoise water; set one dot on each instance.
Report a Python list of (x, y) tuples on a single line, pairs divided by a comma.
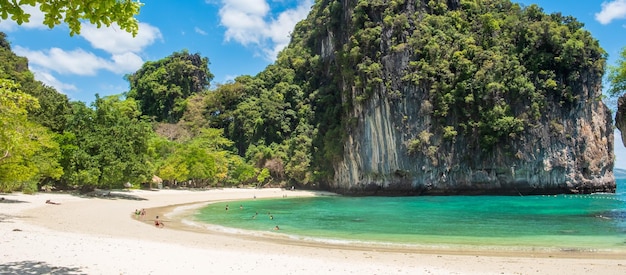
[(585, 222)]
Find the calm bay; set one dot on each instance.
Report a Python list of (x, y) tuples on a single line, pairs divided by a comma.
[(595, 222)]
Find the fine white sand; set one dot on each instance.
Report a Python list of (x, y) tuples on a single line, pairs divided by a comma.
[(102, 236)]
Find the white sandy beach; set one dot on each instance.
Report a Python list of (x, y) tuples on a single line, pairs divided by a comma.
[(101, 236)]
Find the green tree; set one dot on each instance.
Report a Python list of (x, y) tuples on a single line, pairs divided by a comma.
[(79, 148), (203, 160), (54, 106), (28, 152), (162, 86), (72, 12), (106, 146), (617, 75)]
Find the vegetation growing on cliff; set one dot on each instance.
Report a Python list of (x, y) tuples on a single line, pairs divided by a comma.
[(617, 76), (487, 72), (490, 67), (162, 87)]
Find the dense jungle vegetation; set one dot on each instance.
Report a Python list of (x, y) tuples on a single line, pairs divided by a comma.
[(490, 67)]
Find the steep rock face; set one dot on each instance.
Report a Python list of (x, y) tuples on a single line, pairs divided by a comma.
[(620, 117), (399, 141)]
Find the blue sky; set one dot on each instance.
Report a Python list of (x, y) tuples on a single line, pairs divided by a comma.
[(238, 36)]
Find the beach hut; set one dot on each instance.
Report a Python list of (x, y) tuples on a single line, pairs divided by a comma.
[(158, 181)]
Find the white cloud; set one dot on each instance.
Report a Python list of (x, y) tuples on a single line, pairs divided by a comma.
[(281, 28), (611, 11), (250, 22), (52, 81), (125, 63), (76, 62), (116, 41), (200, 31), (79, 62), (123, 48)]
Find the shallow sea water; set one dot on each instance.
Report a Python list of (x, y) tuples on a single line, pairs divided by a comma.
[(563, 222)]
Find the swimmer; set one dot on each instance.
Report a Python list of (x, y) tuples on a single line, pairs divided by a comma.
[(158, 223)]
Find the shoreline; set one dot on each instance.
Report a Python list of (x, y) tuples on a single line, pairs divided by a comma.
[(102, 236), (179, 217)]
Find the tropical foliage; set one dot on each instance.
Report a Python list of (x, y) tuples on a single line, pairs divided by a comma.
[(72, 12), (489, 70), (161, 87), (617, 75)]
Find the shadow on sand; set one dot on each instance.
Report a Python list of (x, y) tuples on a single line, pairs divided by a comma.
[(105, 194), (32, 267), (5, 200)]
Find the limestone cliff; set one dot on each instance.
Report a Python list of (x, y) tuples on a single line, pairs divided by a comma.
[(620, 117), (464, 97)]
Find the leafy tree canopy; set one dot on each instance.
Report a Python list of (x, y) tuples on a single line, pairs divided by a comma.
[(72, 12), (28, 152), (106, 146), (162, 86), (54, 106)]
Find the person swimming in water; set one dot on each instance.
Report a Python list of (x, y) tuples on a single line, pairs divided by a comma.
[(158, 223)]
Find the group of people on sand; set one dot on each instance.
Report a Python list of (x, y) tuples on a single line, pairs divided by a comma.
[(142, 213)]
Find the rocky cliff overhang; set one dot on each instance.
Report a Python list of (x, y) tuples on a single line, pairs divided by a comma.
[(407, 134)]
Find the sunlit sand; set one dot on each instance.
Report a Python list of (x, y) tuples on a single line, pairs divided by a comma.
[(104, 236)]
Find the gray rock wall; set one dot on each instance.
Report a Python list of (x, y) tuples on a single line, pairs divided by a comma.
[(620, 117), (576, 157)]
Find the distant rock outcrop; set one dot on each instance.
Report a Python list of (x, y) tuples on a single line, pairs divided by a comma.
[(501, 108)]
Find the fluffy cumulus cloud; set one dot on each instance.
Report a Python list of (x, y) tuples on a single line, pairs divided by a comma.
[(250, 22), (76, 61), (123, 50), (611, 10), (52, 81), (116, 41)]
